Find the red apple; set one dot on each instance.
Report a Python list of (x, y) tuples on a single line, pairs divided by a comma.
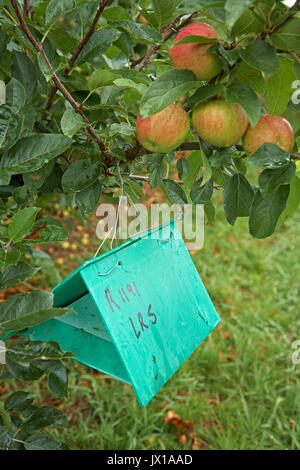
[(220, 123), (194, 56), (163, 131), (269, 129)]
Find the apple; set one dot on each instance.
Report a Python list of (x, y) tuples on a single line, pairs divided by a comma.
[(219, 123), (194, 56), (163, 131), (269, 129)]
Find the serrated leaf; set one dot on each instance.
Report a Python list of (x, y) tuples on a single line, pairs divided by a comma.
[(35, 179), (280, 88), (143, 32), (58, 379), (127, 83), (15, 95), (18, 401), (175, 192), (234, 9), (251, 76), (101, 78), (182, 168), (269, 156), (71, 122), (261, 56), (195, 162), (242, 94), (40, 441), (164, 11), (80, 175), (266, 212), (166, 89), (57, 8), (41, 418), (269, 180), (204, 93), (287, 37), (31, 152), (15, 275), (26, 310), (87, 199), (24, 71), (22, 222), (8, 258), (11, 126), (202, 193), (237, 198), (98, 43)]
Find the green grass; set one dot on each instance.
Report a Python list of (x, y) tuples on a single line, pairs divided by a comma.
[(239, 389)]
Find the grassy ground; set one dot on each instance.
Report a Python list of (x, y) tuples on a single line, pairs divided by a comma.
[(239, 390)]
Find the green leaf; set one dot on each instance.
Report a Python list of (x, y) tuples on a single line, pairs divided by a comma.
[(195, 39), (8, 258), (127, 83), (242, 94), (98, 43), (182, 168), (22, 222), (204, 93), (11, 126), (5, 438), (175, 192), (261, 56), (101, 78), (57, 8), (88, 199), (293, 201), (166, 89), (269, 156), (237, 198), (47, 234), (157, 170), (18, 402), (280, 88), (24, 71), (287, 37), (116, 13), (164, 11), (26, 310), (41, 418), (269, 180), (71, 122), (80, 175), (15, 275), (122, 128), (200, 194), (58, 379), (222, 157), (31, 152), (40, 441), (15, 95), (234, 9), (252, 77), (195, 162), (265, 212), (35, 179), (143, 32)]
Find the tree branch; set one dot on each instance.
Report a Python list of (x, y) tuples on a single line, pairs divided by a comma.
[(168, 31), (146, 179), (59, 85), (27, 8)]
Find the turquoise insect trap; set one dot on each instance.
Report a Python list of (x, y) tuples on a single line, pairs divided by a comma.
[(140, 310)]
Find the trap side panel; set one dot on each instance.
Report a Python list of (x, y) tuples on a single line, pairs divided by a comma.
[(86, 317), (89, 349), (169, 297)]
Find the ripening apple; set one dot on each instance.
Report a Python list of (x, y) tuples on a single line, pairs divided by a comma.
[(163, 131), (269, 129), (194, 56), (219, 123)]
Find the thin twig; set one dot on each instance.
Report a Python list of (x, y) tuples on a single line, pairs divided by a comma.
[(59, 85), (27, 8), (146, 178)]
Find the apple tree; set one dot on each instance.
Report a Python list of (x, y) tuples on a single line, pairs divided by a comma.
[(90, 90)]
